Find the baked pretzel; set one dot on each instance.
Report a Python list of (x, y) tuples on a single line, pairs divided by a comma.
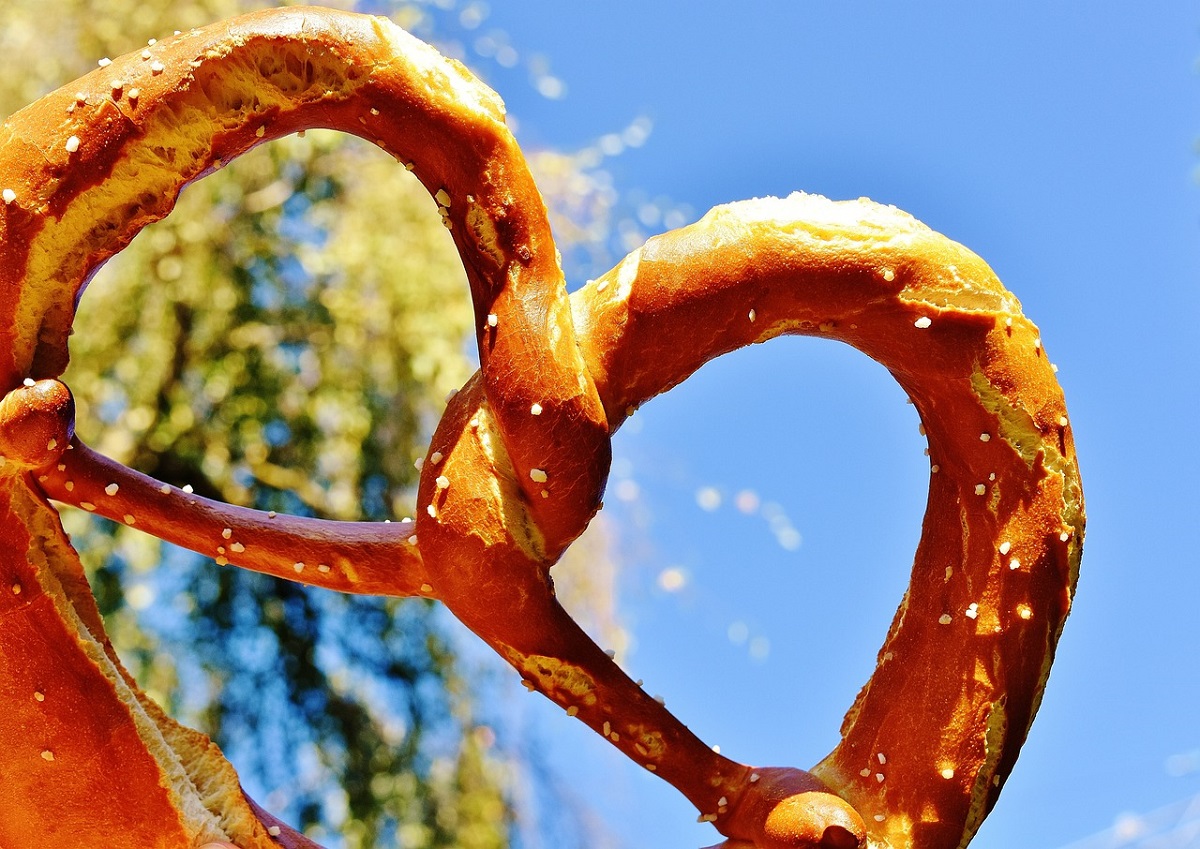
[(517, 464)]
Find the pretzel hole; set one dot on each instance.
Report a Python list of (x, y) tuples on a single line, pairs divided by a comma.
[(302, 314), (824, 435)]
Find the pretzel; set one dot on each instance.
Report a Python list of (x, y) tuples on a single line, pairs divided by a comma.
[(516, 466)]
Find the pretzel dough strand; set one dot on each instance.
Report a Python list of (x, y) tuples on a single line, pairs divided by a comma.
[(357, 557)]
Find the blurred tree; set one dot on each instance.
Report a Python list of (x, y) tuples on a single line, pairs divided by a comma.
[(284, 340)]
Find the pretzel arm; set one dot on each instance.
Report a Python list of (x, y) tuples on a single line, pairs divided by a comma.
[(355, 557)]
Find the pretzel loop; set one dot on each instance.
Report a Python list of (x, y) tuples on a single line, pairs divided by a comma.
[(114, 154), (932, 735)]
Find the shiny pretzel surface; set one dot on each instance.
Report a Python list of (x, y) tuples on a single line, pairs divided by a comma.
[(517, 465)]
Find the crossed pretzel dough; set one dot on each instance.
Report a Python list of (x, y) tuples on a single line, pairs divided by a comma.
[(517, 465)]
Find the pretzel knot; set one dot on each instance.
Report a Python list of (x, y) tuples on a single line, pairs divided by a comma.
[(517, 465)]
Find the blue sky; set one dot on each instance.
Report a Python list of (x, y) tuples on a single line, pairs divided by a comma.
[(1055, 140)]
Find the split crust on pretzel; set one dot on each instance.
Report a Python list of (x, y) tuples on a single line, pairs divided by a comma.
[(517, 463)]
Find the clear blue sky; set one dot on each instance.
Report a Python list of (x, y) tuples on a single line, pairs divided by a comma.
[(1054, 139)]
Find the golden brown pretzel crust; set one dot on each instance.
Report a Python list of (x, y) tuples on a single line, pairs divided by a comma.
[(517, 463)]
